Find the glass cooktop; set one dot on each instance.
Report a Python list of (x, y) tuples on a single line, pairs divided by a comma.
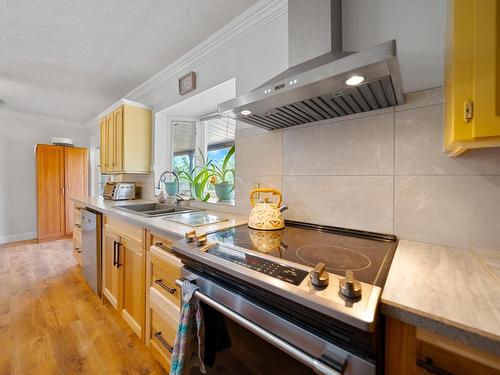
[(195, 219), (367, 254)]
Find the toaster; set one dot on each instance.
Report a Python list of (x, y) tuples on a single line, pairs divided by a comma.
[(119, 191)]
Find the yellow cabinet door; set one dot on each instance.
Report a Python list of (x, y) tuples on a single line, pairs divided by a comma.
[(472, 76), (112, 268), (110, 142), (134, 285), (103, 149), (118, 140)]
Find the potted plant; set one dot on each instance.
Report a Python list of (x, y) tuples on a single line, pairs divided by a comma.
[(198, 177), (223, 177)]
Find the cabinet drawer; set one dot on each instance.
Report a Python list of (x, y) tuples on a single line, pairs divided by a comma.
[(129, 231), (76, 254), (163, 276), (77, 214), (77, 237), (163, 242), (163, 334), (77, 245), (163, 321)]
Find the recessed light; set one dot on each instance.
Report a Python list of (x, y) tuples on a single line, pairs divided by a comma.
[(245, 112), (354, 80)]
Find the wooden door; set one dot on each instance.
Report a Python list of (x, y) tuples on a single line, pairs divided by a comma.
[(110, 143), (133, 285), (103, 149), (75, 181), (118, 139), (111, 272), (50, 191)]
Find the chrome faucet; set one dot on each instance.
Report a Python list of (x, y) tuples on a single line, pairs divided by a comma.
[(163, 177)]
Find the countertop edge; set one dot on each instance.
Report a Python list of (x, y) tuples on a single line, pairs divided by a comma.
[(466, 335), (127, 218)]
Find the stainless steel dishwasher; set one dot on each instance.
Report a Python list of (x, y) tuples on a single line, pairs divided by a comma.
[(91, 249)]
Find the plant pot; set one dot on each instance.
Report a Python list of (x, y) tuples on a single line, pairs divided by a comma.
[(224, 191), (171, 188)]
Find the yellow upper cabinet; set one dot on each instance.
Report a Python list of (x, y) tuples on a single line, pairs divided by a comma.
[(126, 139), (472, 76)]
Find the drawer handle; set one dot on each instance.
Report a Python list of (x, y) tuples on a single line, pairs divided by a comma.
[(78, 250), (163, 342), (164, 286), (162, 246)]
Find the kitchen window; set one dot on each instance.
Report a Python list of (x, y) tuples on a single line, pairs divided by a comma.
[(183, 144), (200, 147)]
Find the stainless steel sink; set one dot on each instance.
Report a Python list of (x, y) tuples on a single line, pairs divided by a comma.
[(156, 209)]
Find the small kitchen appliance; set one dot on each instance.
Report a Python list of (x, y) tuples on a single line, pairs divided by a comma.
[(305, 300), (119, 191)]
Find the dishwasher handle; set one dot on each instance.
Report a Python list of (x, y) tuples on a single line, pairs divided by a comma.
[(292, 351)]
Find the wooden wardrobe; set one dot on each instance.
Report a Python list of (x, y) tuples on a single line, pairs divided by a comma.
[(62, 173)]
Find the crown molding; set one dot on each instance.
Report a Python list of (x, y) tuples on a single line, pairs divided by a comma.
[(249, 21), (4, 113), (119, 103)]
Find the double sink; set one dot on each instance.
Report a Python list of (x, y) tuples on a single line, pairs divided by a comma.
[(156, 209)]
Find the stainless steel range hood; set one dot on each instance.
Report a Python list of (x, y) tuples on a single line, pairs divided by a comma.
[(316, 89)]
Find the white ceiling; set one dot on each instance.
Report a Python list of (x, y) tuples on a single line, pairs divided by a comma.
[(72, 59)]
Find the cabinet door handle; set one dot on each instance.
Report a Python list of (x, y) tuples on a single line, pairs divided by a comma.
[(118, 264), (114, 253), (165, 286), (78, 225), (163, 342), (78, 250), (162, 246)]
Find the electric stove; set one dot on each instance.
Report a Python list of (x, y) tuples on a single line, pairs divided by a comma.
[(324, 281)]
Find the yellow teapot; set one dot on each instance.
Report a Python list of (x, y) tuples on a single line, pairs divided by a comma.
[(266, 215)]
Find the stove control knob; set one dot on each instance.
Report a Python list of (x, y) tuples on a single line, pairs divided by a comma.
[(319, 276), (201, 240), (190, 236), (350, 287)]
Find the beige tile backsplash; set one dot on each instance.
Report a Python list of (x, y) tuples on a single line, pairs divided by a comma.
[(343, 201), (363, 146), (384, 172)]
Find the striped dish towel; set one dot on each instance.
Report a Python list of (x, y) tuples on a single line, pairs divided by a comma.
[(189, 343)]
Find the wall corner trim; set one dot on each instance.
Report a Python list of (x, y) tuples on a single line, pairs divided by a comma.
[(249, 21)]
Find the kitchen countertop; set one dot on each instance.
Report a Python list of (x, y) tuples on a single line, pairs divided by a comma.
[(451, 291), (158, 224)]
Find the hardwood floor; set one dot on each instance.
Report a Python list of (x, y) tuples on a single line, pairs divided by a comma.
[(52, 323)]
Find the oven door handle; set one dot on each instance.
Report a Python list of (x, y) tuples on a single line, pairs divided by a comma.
[(316, 365)]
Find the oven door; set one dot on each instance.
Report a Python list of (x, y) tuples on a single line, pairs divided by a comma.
[(249, 339)]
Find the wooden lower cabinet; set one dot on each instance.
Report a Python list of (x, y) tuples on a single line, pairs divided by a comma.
[(414, 350), (133, 285), (124, 271), (111, 271)]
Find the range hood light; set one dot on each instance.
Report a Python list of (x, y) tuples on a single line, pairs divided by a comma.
[(246, 112), (354, 80)]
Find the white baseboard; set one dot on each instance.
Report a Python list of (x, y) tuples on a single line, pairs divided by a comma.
[(17, 237)]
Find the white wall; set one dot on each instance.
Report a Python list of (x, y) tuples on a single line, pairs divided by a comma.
[(418, 27), (19, 133)]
